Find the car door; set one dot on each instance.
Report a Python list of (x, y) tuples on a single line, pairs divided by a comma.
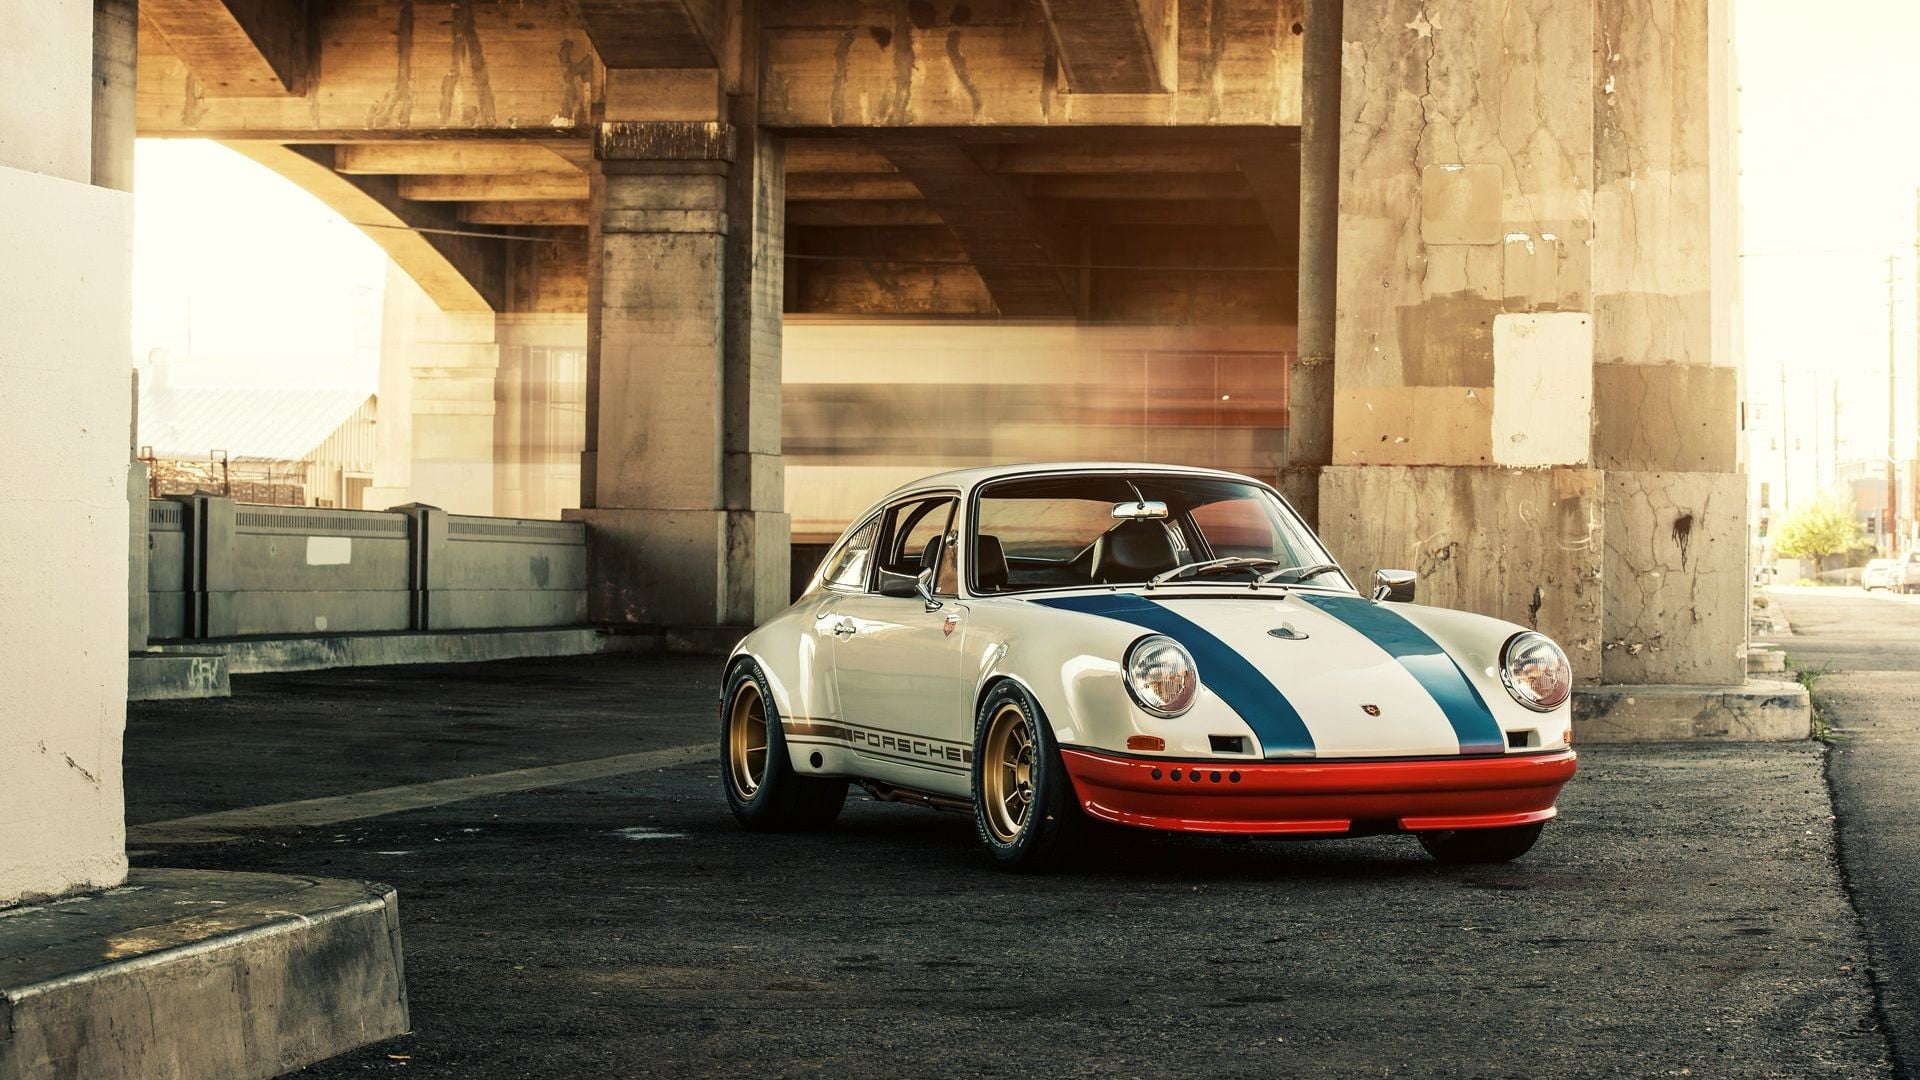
[(898, 661)]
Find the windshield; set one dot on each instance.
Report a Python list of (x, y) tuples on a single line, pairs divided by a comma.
[(1051, 532)]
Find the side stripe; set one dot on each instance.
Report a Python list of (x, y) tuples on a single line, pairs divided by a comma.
[(1274, 720), (1427, 662)]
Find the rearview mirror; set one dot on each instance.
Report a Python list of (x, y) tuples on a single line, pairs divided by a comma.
[(1140, 510), (1395, 586)]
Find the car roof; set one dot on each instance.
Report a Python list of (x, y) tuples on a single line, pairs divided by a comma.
[(968, 479)]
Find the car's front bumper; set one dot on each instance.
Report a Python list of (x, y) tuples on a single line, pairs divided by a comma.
[(1319, 797)]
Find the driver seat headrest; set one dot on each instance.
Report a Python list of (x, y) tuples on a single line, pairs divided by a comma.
[(990, 563), (1132, 551)]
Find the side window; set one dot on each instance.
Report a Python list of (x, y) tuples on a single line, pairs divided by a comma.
[(847, 568), (914, 526)]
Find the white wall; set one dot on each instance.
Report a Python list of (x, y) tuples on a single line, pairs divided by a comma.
[(64, 417)]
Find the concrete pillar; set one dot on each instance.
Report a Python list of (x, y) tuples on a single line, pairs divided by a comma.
[(65, 270), (1537, 389), (680, 480), (1464, 340), (1310, 384), (1667, 370), (435, 440)]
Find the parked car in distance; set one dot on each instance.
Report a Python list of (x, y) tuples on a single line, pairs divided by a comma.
[(1882, 574)]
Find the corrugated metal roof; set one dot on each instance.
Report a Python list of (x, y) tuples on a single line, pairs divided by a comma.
[(190, 422)]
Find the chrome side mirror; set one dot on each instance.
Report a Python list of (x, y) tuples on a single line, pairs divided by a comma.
[(923, 587), (1394, 586)]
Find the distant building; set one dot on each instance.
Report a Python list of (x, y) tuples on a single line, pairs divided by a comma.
[(283, 446)]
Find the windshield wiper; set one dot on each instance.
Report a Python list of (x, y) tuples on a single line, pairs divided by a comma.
[(1303, 574), (1231, 562)]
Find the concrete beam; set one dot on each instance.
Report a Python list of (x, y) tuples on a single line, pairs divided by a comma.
[(861, 213), (394, 71), (994, 66), (992, 219), (1196, 187), (236, 48), (1127, 156), (830, 186), (1223, 213), (460, 273), (544, 187), (524, 212), (834, 156), (657, 33), (1115, 46), (447, 159)]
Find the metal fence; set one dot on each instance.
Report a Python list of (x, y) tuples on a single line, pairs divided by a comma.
[(220, 569)]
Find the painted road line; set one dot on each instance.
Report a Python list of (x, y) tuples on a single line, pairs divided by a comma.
[(333, 809)]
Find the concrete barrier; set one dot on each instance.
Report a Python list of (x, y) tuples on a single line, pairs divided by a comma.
[(219, 570), (1759, 710), (195, 973)]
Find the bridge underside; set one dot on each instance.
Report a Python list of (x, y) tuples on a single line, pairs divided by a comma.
[(1505, 251)]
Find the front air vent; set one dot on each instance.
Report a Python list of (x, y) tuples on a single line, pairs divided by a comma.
[(1228, 744), (1520, 740)]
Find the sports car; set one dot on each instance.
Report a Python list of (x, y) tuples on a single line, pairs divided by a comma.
[(1046, 647)]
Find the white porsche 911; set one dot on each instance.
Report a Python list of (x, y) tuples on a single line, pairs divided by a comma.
[(1152, 646)]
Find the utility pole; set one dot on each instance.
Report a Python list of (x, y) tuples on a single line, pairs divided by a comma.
[(1786, 447), (1889, 517)]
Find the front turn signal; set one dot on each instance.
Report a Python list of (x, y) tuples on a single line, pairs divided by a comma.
[(1146, 742)]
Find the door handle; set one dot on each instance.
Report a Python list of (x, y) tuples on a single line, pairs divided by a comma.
[(845, 629)]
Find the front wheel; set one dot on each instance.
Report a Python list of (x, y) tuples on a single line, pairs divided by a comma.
[(1024, 808), (763, 790), (1481, 845)]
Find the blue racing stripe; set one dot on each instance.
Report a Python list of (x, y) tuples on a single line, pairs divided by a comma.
[(1229, 675), (1427, 662)]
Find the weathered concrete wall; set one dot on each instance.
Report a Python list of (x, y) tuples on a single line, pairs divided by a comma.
[(64, 369), (1525, 545), (1458, 207), (46, 109)]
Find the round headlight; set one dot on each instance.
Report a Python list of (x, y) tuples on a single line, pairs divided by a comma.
[(1161, 676), (1536, 671)]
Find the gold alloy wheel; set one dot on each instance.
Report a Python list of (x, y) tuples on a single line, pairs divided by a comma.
[(747, 741), (1006, 772)]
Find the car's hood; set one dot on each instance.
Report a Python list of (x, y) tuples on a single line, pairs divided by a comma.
[(1319, 674)]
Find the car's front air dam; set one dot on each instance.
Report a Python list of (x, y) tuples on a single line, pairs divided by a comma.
[(1319, 797)]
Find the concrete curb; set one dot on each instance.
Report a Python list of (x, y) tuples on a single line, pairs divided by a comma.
[(200, 669), (190, 973), (1761, 710)]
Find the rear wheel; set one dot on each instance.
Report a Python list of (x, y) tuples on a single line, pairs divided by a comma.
[(763, 790), (1481, 845), (1024, 808)]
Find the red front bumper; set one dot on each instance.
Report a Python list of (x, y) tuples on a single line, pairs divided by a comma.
[(1319, 797)]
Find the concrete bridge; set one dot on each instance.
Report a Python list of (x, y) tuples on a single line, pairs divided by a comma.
[(1496, 239), (1513, 305)]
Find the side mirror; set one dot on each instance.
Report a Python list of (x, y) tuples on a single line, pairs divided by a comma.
[(1394, 586), (923, 587), (899, 586)]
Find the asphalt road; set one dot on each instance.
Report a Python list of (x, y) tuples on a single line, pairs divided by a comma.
[(1683, 917), (1868, 648)]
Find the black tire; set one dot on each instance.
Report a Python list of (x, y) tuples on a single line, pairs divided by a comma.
[(1481, 845), (778, 799), (1052, 829)]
